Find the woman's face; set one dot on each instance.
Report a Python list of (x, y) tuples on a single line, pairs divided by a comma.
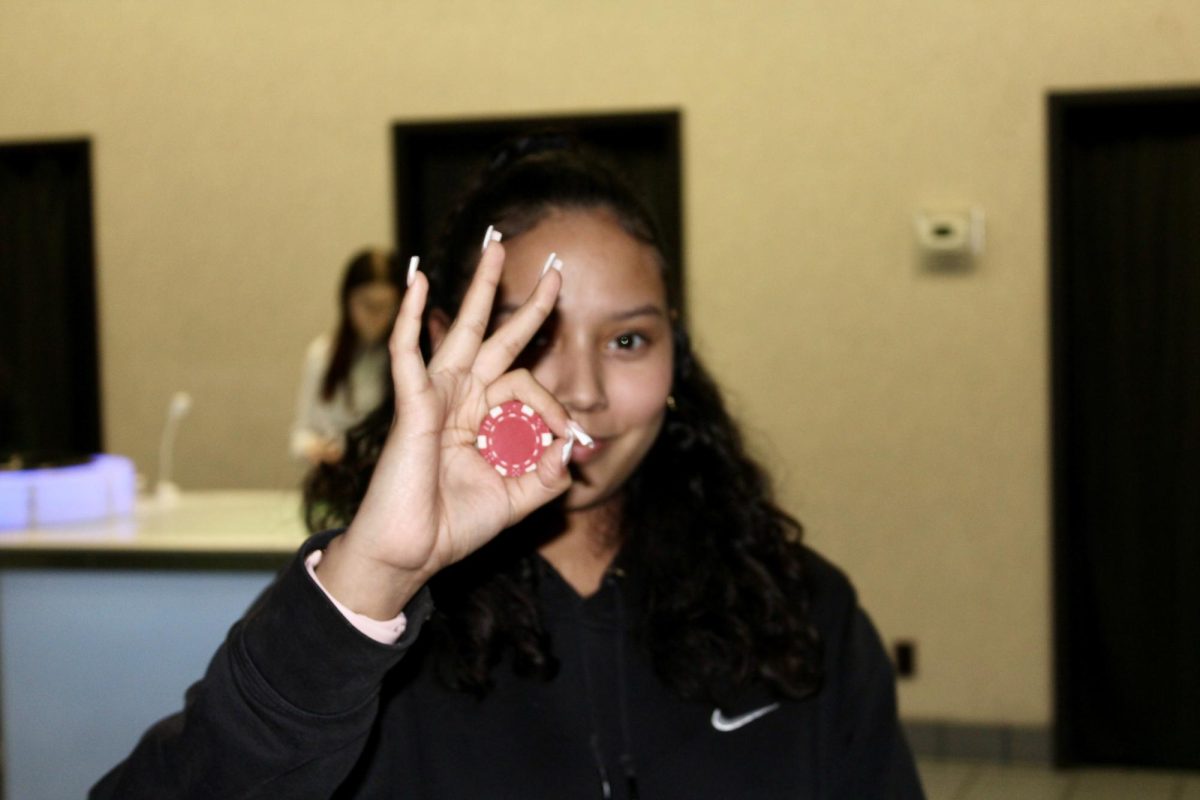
[(606, 351), (372, 308)]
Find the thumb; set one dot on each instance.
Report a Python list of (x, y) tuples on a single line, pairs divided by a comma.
[(552, 477)]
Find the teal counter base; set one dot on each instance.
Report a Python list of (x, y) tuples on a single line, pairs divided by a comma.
[(89, 659)]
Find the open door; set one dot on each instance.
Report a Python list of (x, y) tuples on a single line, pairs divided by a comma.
[(49, 372), (1125, 249)]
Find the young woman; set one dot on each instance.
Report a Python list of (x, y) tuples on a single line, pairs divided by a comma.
[(633, 619), (346, 375)]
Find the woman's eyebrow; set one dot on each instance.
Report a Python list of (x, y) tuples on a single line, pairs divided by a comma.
[(648, 310)]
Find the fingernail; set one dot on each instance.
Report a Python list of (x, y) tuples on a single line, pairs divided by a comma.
[(579, 433), (492, 235), (568, 447), (552, 261), (412, 270)]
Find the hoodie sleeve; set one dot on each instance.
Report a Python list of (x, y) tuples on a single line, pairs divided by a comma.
[(283, 710), (875, 760), (867, 756)]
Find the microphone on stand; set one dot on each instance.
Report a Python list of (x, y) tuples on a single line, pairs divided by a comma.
[(166, 493)]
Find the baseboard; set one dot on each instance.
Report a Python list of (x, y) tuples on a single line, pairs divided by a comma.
[(1001, 743)]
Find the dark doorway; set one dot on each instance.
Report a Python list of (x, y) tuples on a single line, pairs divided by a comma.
[(49, 375), (1125, 267), (433, 162)]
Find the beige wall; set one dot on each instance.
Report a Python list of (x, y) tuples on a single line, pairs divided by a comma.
[(241, 153)]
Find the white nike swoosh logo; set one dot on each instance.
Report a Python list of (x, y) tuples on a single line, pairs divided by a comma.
[(726, 724)]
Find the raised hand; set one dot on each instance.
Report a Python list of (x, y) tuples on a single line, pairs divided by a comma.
[(432, 499)]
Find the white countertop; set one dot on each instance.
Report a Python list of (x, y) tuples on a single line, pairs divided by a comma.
[(203, 522)]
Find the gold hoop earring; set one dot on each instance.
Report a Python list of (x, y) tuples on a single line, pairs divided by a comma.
[(670, 402)]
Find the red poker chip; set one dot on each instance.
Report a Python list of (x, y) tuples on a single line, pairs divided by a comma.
[(512, 437)]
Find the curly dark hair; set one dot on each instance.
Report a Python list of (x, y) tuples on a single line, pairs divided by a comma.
[(725, 594)]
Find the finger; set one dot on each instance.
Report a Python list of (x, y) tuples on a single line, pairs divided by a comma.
[(531, 491), (521, 385), (502, 348), (462, 341), (408, 366)]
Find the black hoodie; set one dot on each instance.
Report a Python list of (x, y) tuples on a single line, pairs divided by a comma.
[(298, 704)]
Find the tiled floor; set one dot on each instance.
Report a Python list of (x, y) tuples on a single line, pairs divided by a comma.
[(967, 780)]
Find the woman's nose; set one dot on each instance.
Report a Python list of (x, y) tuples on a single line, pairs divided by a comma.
[(579, 382)]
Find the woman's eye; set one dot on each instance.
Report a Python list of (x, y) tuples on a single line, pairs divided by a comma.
[(538, 345), (628, 341)]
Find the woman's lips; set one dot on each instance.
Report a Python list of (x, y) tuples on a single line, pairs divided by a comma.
[(582, 454)]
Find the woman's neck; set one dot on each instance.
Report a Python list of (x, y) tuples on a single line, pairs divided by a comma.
[(363, 346), (582, 553)]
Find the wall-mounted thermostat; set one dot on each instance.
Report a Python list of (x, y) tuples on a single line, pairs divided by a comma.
[(950, 239)]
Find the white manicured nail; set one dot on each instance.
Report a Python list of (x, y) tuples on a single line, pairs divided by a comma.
[(413, 263), (568, 447), (553, 261), (492, 235), (579, 433)]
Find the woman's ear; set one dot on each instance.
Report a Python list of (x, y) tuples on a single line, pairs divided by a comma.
[(438, 324)]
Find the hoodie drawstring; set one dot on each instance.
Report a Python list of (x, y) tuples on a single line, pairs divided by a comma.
[(626, 757)]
